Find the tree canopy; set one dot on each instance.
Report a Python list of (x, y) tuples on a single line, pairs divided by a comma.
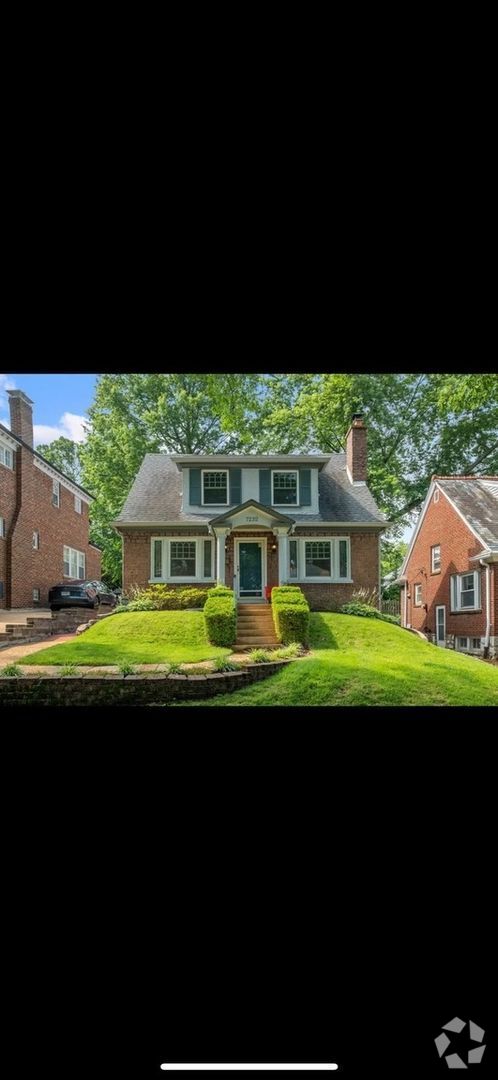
[(417, 425)]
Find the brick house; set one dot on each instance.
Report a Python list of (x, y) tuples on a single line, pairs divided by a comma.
[(253, 521), (449, 577), (43, 518)]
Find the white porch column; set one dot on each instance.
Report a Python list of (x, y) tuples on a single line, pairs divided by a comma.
[(221, 535), (283, 557)]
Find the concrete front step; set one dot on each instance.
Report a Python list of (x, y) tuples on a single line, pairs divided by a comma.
[(256, 645)]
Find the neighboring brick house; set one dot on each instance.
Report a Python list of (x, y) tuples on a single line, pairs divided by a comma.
[(449, 578), (43, 518), (253, 521)]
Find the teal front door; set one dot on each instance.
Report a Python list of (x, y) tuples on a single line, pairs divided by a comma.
[(250, 569)]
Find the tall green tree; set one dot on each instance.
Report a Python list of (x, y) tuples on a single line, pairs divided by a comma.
[(65, 455), (135, 414), (417, 425)]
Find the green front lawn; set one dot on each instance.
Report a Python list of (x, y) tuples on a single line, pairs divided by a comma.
[(357, 661), (141, 637)]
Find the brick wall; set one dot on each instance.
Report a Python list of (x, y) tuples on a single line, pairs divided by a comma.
[(326, 597), (136, 554), (57, 526), (364, 569), (442, 525), (7, 505)]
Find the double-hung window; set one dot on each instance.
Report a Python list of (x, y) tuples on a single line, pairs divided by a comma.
[(466, 591), (74, 563), (5, 456), (77, 504), (436, 558), (417, 595), (56, 496), (181, 560), (2, 528), (215, 487), (329, 560), (285, 487)]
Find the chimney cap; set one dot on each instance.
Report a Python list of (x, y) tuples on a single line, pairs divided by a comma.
[(20, 394), (357, 416)]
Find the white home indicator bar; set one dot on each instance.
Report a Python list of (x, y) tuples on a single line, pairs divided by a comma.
[(254, 1067)]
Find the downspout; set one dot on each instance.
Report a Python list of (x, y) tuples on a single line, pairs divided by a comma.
[(488, 604), (19, 464)]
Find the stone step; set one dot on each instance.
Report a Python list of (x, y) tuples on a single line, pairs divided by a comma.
[(261, 644), (260, 639)]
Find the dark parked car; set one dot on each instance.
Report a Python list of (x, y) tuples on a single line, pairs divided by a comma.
[(88, 594)]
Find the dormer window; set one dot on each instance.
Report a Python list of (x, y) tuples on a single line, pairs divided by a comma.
[(215, 487), (285, 487)]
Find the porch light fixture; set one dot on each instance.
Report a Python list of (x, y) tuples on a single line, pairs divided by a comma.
[(274, 546)]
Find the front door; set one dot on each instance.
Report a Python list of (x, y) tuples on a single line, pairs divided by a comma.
[(441, 626), (250, 568)]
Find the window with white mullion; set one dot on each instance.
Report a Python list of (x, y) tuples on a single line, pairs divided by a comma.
[(285, 487), (465, 591), (328, 559), (177, 560), (74, 563), (215, 487)]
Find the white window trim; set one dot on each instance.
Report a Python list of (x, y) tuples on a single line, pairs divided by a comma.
[(333, 578), (227, 503), (435, 569), (2, 528), (295, 472), (36, 543), (4, 451), (73, 577), (417, 603), (165, 559), (77, 504), (436, 495), (477, 591)]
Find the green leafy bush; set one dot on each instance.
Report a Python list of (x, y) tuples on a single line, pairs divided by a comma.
[(368, 612), (220, 617), (222, 663), (291, 614), (164, 598)]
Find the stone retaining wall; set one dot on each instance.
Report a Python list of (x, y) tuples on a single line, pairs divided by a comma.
[(91, 690)]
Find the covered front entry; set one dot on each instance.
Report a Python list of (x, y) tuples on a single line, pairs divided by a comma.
[(250, 568)]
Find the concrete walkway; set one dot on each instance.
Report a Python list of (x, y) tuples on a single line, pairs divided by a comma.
[(13, 653)]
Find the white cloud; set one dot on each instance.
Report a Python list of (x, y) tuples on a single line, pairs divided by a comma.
[(70, 426), (6, 383)]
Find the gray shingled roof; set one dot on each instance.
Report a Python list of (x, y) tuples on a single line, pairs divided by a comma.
[(155, 496), (477, 500)]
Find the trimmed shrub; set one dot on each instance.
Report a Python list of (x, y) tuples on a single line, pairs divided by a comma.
[(220, 618), (368, 612), (164, 598), (291, 614)]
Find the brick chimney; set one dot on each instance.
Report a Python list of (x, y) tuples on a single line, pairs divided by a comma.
[(356, 449), (21, 415)]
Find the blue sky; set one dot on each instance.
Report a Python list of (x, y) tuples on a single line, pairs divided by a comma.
[(60, 403)]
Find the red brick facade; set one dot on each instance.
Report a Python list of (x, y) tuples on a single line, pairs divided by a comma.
[(444, 526), (26, 506), (322, 597)]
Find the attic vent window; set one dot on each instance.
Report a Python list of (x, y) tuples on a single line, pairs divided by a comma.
[(436, 495)]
